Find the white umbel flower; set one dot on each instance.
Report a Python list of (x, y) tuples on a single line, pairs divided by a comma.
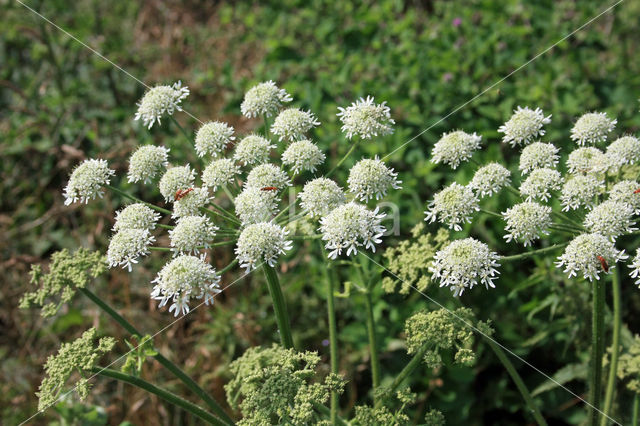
[(371, 178), (219, 173), (349, 227), (455, 147), (253, 149), (185, 278), (191, 203), (86, 181), (611, 219), (624, 150), (453, 206), (147, 163), (136, 216), (580, 191), (191, 234), (254, 205), (366, 119), (490, 179), (265, 98), (174, 179), (627, 191), (539, 184), (302, 156), (592, 128), (127, 245), (464, 263), (588, 160), (320, 196), (538, 155), (261, 242), (527, 222), (267, 175), (635, 268), (582, 256), (212, 138), (524, 125), (291, 124), (160, 101)]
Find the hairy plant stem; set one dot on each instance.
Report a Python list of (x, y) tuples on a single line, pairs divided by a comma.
[(279, 306), (131, 197), (330, 278), (597, 352), (188, 381), (615, 347), (220, 215), (408, 369), (225, 212), (532, 253), (568, 219), (162, 393)]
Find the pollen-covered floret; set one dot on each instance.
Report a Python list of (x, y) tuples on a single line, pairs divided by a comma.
[(371, 178), (635, 268), (538, 155), (580, 191), (253, 149), (320, 196), (219, 173), (611, 219), (624, 150), (191, 234), (524, 125), (366, 119), (147, 163), (592, 128), (464, 263), (267, 175), (453, 206), (160, 101), (455, 147), (127, 245), (212, 138), (136, 216), (261, 243), (185, 278), (527, 222), (627, 191), (586, 253), (291, 124), (254, 205), (539, 184), (174, 179), (349, 227), (302, 156), (191, 203), (588, 160), (86, 181), (264, 98), (490, 179)]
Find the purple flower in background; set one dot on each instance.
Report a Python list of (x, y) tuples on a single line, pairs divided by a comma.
[(456, 22), (325, 342), (447, 77)]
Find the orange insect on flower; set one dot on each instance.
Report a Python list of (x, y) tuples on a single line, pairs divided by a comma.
[(181, 193), (637, 191), (269, 188), (603, 263)]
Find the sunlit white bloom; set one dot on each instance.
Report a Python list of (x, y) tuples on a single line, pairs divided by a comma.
[(302, 156), (212, 138), (219, 173), (254, 205), (174, 179), (627, 191), (366, 119), (191, 203), (127, 245), (624, 150), (582, 256), (538, 155), (588, 160), (580, 191), (160, 101), (611, 219), (86, 181), (185, 278), (261, 242), (455, 147), (527, 222), (320, 196), (539, 184), (371, 178), (490, 179), (265, 98), (267, 175), (635, 268), (592, 128), (453, 206), (136, 216), (147, 163), (349, 227), (464, 263), (253, 149), (191, 234), (291, 124), (524, 125)]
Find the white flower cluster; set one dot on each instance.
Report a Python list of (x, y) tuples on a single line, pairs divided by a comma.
[(588, 160), (490, 179), (539, 184), (136, 216), (624, 150), (219, 173), (176, 178), (371, 178), (611, 219), (159, 101), (320, 196), (191, 203), (524, 125), (254, 205), (592, 128), (454, 206), (527, 222), (212, 138), (253, 149), (627, 191), (302, 156), (265, 98), (127, 245), (261, 242), (580, 191), (147, 162), (538, 155), (455, 147), (585, 255), (366, 119), (292, 124), (191, 234), (267, 176), (635, 268), (86, 181)]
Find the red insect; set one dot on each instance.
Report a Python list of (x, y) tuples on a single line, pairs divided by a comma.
[(637, 191), (603, 263), (269, 188), (180, 193)]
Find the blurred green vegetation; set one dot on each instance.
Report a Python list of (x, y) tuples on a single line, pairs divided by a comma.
[(59, 103)]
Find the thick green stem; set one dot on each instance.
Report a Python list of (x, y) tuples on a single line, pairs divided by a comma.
[(325, 411), (635, 413), (597, 352), (532, 253), (408, 369), (373, 346), (615, 347), (162, 393), (279, 306), (330, 278), (131, 197)]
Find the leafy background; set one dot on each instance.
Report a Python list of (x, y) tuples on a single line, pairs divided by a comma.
[(59, 104)]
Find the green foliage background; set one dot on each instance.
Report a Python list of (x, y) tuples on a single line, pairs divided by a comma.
[(59, 103)]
